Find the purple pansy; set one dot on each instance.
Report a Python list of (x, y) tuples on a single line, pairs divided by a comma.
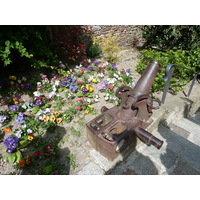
[(14, 107), (11, 143), (84, 90)]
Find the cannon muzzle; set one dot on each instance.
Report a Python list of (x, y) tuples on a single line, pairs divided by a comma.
[(145, 82), (148, 137)]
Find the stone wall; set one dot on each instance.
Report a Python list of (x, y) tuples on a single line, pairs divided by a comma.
[(128, 35)]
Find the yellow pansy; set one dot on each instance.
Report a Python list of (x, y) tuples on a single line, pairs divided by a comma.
[(56, 113), (94, 80), (58, 120), (90, 106), (13, 78), (30, 137), (12, 83), (89, 88), (46, 118), (86, 111), (52, 118)]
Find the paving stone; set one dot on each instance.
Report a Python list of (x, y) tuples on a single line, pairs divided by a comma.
[(180, 131), (91, 169), (184, 169), (186, 150), (192, 128)]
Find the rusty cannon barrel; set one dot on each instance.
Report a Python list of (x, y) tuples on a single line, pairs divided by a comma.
[(145, 82), (148, 137)]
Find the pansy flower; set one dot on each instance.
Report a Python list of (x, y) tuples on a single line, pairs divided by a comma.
[(45, 118), (58, 120), (14, 107), (52, 118), (21, 163), (30, 137), (84, 90)]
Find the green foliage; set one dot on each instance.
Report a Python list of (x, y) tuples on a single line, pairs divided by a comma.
[(93, 51), (29, 42), (185, 37), (181, 77)]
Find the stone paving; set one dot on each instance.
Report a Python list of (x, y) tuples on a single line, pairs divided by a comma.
[(177, 123)]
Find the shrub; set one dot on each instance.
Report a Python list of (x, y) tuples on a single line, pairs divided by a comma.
[(181, 77), (71, 44), (29, 42), (185, 37), (109, 47)]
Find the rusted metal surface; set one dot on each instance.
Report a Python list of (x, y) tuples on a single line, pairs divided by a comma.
[(116, 128)]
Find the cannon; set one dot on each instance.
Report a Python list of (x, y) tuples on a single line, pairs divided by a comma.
[(117, 128)]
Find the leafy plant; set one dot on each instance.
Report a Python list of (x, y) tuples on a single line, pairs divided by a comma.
[(184, 37), (109, 47), (16, 42), (180, 76)]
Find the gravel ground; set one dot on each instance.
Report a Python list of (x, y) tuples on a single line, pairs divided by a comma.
[(77, 145)]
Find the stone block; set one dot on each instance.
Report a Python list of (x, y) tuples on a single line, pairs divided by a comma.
[(91, 169)]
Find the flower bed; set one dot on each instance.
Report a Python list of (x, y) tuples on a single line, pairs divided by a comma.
[(28, 126)]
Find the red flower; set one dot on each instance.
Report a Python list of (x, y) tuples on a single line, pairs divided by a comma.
[(41, 152), (79, 108), (48, 148), (110, 86), (51, 154), (36, 154)]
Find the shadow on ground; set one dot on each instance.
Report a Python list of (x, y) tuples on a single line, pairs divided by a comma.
[(50, 163)]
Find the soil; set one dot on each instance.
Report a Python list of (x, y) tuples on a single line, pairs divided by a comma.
[(69, 143)]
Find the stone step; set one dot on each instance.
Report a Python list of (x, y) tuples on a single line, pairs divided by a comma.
[(180, 153)]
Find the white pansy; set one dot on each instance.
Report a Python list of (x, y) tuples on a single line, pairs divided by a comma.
[(48, 110), (41, 118), (52, 94), (18, 133), (36, 93), (88, 100), (54, 88), (24, 78), (101, 75), (57, 82), (40, 112), (24, 126), (116, 75), (19, 81), (29, 130)]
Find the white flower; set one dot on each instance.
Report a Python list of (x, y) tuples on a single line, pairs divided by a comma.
[(24, 78), (18, 133), (106, 98), (40, 112), (101, 75), (57, 82), (2, 118), (88, 100), (111, 80), (39, 84), (116, 75), (29, 131), (24, 126), (52, 94), (46, 80), (54, 88), (19, 81), (48, 110), (36, 93), (41, 118)]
